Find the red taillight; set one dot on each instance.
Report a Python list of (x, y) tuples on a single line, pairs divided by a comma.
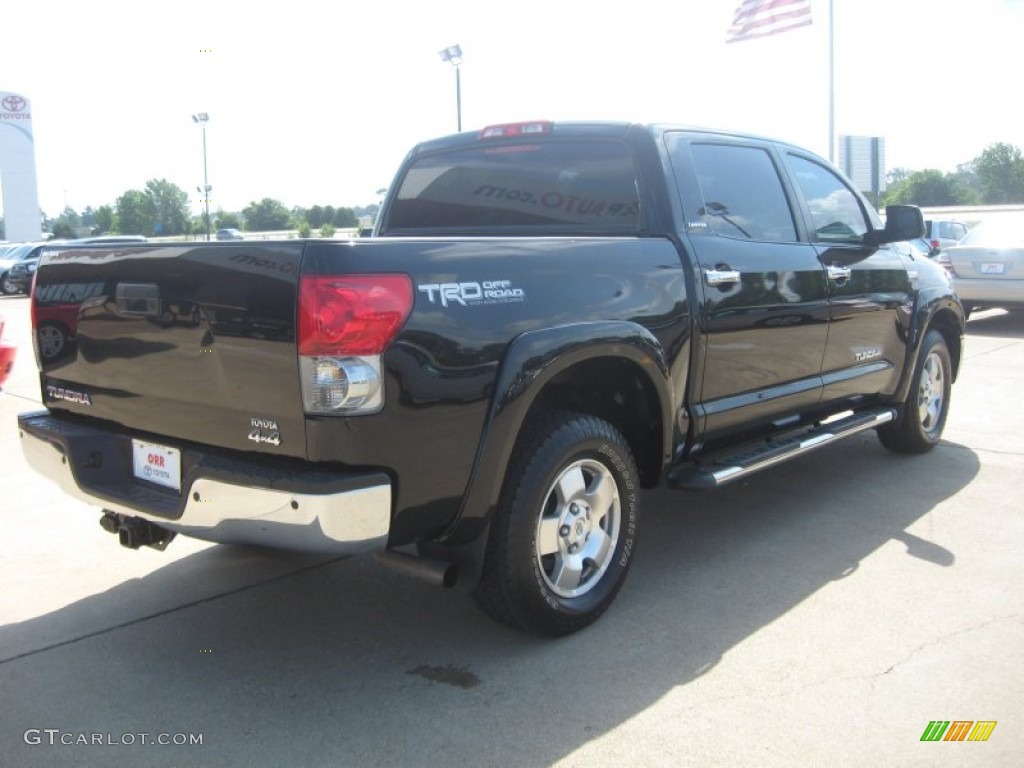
[(32, 300), (934, 243), (516, 129), (946, 263), (351, 314)]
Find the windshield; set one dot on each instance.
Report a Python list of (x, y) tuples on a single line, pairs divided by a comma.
[(18, 252)]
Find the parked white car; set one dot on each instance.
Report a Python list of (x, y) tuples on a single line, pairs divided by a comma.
[(987, 266)]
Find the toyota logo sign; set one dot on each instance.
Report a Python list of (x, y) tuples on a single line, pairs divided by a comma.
[(13, 103)]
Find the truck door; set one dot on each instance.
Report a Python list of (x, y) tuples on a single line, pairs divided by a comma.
[(764, 308), (869, 287)]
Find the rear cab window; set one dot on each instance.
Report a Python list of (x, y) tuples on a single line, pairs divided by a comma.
[(742, 193), (529, 186)]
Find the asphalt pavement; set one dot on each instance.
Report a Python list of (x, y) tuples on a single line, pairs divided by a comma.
[(823, 613)]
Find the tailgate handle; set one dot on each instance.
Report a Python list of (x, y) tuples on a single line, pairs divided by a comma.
[(141, 299), (721, 276)]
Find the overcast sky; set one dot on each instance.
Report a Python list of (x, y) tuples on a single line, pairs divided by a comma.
[(316, 103)]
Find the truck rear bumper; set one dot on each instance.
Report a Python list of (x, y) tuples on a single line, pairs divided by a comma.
[(222, 499)]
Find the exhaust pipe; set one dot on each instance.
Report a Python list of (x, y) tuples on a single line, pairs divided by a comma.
[(135, 532), (435, 572)]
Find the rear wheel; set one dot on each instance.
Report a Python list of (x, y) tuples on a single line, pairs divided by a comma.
[(923, 415), (565, 529)]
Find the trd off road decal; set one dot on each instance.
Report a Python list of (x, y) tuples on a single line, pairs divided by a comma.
[(474, 293)]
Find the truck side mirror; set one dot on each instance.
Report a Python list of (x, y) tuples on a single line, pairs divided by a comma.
[(902, 222)]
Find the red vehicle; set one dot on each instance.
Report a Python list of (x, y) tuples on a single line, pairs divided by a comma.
[(7, 353)]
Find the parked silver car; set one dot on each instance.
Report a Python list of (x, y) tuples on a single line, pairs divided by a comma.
[(987, 266), (944, 233)]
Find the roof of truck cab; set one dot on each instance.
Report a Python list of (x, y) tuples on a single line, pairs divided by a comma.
[(588, 129)]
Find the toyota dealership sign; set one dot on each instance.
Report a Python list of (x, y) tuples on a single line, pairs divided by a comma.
[(22, 219)]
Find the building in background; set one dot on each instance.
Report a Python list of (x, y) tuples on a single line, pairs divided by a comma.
[(862, 159)]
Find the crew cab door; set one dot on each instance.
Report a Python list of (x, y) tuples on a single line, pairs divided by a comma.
[(764, 309), (869, 287)]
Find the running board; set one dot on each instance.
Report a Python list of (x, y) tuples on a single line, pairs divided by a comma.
[(717, 470)]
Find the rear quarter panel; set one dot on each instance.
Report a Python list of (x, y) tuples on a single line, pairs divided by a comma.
[(472, 298)]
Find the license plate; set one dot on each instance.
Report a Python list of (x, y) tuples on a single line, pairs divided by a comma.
[(993, 268), (157, 464)]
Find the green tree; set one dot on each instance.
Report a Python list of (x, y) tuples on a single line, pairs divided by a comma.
[(327, 231), (968, 178), (133, 212), (1000, 173), (929, 188), (223, 220), (897, 175), (67, 224), (62, 229), (168, 206), (160, 209), (267, 214), (103, 220), (315, 216), (345, 218), (366, 210)]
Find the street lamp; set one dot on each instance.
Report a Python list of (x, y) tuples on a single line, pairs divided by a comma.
[(453, 54), (201, 119)]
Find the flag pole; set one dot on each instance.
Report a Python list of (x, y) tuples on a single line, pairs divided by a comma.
[(831, 82)]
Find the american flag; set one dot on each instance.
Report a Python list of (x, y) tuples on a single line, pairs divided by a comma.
[(757, 18)]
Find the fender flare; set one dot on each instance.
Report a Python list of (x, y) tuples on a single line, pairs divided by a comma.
[(531, 361), (928, 305)]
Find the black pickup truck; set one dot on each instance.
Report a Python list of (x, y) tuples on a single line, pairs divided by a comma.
[(547, 319)]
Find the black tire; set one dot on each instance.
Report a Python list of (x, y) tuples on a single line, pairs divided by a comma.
[(564, 532), (7, 287), (923, 415)]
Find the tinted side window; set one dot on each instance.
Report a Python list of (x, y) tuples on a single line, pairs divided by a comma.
[(835, 210), (743, 195), (585, 187)]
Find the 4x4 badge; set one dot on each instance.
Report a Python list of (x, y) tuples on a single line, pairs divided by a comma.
[(264, 431)]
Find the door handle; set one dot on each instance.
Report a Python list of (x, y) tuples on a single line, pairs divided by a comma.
[(838, 274), (721, 276)]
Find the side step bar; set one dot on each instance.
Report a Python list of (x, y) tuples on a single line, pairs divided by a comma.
[(717, 470)]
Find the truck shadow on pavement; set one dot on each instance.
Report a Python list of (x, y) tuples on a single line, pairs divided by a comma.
[(314, 662)]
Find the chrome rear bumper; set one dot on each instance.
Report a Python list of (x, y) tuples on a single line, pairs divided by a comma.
[(348, 514)]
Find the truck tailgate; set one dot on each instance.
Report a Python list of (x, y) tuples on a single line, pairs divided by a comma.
[(195, 341)]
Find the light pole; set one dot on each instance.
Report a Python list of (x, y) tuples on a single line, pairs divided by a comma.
[(453, 54), (201, 119)]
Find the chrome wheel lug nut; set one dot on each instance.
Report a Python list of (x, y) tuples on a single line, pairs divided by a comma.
[(563, 531)]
